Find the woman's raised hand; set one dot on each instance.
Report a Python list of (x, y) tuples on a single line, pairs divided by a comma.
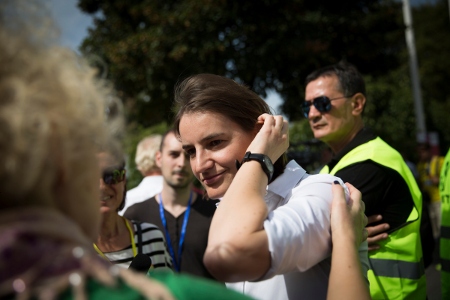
[(272, 139)]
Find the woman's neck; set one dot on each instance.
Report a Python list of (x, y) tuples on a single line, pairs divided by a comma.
[(113, 234)]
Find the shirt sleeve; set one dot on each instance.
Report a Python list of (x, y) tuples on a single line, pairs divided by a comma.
[(299, 231), (384, 191)]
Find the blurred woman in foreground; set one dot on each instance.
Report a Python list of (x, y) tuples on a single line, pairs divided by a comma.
[(53, 124)]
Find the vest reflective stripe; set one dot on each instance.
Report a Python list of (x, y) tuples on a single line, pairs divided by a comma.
[(444, 189), (397, 268), (398, 271)]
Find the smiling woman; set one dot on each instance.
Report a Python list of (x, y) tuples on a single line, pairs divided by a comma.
[(120, 239), (270, 236)]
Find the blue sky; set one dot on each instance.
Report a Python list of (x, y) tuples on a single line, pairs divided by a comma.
[(72, 21)]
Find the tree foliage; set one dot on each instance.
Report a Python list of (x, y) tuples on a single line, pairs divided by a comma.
[(150, 45), (147, 46), (432, 32)]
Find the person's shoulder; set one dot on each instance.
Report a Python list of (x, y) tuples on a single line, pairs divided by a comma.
[(317, 186), (364, 169), (316, 181), (148, 202), (136, 209), (151, 230), (146, 225), (319, 178), (438, 159)]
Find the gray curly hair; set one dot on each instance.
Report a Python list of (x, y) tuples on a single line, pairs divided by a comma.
[(55, 114)]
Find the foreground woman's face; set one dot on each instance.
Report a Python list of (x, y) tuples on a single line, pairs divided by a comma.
[(213, 143)]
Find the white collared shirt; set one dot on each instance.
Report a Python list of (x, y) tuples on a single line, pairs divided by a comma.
[(298, 231)]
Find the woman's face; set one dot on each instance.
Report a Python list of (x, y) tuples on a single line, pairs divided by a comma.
[(111, 195), (213, 143)]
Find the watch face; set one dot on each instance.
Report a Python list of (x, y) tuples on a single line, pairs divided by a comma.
[(269, 165), (264, 160)]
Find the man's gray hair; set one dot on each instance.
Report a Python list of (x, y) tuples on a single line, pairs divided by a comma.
[(146, 152)]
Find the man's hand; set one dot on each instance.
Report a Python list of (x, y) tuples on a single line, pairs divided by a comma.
[(376, 233)]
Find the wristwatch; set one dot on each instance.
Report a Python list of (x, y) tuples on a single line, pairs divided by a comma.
[(264, 160)]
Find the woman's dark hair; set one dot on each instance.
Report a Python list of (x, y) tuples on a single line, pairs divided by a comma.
[(218, 94)]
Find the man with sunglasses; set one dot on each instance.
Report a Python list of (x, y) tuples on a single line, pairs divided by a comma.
[(179, 210), (335, 100)]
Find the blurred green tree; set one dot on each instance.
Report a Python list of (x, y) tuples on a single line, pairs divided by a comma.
[(432, 33), (150, 45), (147, 46)]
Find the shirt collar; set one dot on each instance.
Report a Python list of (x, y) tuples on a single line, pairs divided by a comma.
[(363, 136), (284, 183)]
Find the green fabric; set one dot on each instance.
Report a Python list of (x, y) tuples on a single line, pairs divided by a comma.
[(95, 290), (397, 270), (182, 287), (444, 188), (185, 287)]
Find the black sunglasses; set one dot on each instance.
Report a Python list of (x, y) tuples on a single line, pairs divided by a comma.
[(322, 104), (113, 176)]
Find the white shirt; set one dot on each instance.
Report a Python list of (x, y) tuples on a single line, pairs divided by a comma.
[(299, 235), (149, 187)]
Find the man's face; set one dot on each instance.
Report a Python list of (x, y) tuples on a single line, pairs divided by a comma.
[(334, 125), (174, 163)]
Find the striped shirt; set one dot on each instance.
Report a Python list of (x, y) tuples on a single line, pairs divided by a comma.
[(153, 245)]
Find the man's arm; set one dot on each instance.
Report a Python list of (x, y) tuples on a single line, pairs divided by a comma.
[(384, 192), (376, 233), (386, 196)]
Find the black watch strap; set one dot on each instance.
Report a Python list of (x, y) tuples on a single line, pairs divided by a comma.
[(264, 160)]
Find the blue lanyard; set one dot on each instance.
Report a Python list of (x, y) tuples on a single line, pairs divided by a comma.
[(177, 264)]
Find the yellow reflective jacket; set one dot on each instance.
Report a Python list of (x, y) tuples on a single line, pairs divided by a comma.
[(444, 187), (397, 270)]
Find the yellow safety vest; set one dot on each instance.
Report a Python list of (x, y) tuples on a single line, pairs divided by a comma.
[(396, 269), (444, 187)]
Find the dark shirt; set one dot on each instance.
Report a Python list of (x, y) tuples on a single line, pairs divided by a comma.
[(197, 229), (384, 191)]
